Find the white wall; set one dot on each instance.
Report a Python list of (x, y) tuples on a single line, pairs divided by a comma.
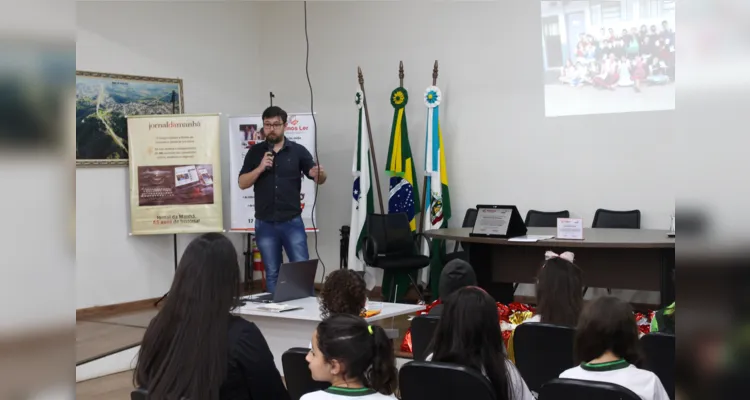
[(500, 147), (214, 49)]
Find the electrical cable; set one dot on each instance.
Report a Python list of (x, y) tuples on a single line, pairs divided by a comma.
[(315, 126)]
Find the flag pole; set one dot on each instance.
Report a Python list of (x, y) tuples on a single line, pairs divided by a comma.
[(424, 181), (369, 135), (401, 74)]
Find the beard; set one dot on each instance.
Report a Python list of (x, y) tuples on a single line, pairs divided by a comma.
[(274, 139)]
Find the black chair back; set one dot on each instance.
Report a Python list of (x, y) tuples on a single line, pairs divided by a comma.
[(391, 233), (544, 219), (574, 389), (470, 218), (424, 380), (659, 349), (139, 394), (542, 352), (617, 219), (297, 375), (422, 331)]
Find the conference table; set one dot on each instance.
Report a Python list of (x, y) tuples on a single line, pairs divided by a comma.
[(639, 259), (294, 328)]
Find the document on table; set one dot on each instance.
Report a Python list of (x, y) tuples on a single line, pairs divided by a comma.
[(530, 238), (277, 307)]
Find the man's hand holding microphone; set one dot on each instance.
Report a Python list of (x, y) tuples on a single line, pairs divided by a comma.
[(267, 162)]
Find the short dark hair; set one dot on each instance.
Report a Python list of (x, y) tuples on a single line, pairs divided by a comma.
[(275, 111), (559, 292), (344, 292), (607, 323), (364, 350)]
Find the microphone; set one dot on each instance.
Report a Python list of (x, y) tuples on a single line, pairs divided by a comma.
[(272, 154)]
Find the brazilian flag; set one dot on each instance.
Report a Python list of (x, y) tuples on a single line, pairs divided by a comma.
[(404, 191)]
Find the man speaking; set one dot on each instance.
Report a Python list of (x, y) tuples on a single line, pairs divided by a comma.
[(274, 169)]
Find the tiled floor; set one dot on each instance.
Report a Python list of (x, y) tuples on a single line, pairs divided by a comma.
[(101, 335)]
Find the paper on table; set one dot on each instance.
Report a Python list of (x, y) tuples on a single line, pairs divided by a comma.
[(277, 307), (530, 238)]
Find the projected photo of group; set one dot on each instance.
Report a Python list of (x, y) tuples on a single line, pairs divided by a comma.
[(608, 56), (175, 185)]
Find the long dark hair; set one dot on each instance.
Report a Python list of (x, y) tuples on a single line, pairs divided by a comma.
[(184, 350), (469, 334), (365, 356), (607, 323), (559, 292)]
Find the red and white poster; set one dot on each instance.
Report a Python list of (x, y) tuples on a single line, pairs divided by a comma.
[(246, 132)]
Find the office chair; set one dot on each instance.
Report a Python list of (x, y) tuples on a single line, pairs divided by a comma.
[(426, 380), (297, 375)]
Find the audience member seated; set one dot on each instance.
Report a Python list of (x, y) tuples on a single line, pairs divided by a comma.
[(344, 292), (455, 275), (194, 348), (608, 348), (468, 334), (559, 291), (356, 358), (664, 320)]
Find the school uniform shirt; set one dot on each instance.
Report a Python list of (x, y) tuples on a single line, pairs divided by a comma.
[(520, 390), (643, 383), (337, 393)]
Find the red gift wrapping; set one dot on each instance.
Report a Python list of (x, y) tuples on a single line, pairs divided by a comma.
[(516, 306), (429, 307), (503, 312), (406, 343), (506, 337)]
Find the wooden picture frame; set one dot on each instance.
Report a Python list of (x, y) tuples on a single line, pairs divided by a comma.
[(104, 100)]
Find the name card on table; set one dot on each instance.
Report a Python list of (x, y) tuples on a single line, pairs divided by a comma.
[(570, 228)]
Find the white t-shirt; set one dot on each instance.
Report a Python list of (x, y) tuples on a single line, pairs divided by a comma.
[(643, 383), (337, 393), (520, 390)]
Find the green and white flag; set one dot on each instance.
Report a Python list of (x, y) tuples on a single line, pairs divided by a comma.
[(362, 197)]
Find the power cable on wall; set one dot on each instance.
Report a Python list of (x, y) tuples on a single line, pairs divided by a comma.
[(315, 126)]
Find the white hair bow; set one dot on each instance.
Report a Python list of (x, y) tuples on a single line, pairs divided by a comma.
[(565, 256)]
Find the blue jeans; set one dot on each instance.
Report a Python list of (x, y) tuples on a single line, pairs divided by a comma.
[(271, 237)]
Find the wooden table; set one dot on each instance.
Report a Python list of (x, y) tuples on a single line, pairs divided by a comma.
[(640, 259)]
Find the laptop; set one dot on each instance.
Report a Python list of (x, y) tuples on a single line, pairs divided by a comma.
[(296, 280)]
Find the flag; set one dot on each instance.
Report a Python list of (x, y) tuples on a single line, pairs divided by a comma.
[(362, 198), (404, 191), (438, 204), (403, 196)]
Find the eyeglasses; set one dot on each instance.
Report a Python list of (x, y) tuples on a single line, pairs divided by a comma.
[(272, 126)]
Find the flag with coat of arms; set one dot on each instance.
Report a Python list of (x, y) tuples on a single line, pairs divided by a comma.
[(438, 204), (362, 196), (404, 191)]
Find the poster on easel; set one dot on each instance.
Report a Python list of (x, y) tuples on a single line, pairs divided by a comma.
[(175, 174), (246, 132)]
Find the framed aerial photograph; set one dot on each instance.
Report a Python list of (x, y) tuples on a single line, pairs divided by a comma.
[(103, 101)]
